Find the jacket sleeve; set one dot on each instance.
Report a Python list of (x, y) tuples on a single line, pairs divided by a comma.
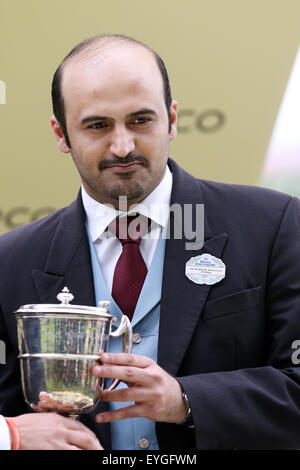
[(259, 408), (12, 401)]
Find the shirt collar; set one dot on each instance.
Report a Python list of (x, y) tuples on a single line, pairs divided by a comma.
[(155, 206)]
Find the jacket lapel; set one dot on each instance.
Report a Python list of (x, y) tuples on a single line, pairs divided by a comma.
[(182, 300), (68, 262)]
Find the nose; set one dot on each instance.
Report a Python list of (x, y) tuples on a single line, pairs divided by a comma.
[(122, 142)]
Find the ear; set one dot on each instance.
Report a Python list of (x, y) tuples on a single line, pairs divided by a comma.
[(59, 135), (173, 113)]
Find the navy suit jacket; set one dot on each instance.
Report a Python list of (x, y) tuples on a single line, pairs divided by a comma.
[(229, 344)]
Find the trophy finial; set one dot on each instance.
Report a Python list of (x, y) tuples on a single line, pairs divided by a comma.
[(65, 296)]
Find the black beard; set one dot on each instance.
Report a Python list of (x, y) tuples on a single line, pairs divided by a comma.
[(132, 191)]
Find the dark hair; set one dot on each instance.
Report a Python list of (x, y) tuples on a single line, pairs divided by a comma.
[(57, 98)]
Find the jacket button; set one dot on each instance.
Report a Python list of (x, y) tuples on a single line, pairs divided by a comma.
[(144, 443), (136, 338)]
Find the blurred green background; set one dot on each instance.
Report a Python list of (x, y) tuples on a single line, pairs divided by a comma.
[(228, 61)]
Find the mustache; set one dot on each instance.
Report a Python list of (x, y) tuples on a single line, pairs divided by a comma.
[(130, 158)]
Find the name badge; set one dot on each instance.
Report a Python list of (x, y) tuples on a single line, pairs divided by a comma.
[(205, 269)]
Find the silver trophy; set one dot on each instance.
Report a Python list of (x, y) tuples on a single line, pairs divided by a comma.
[(58, 343)]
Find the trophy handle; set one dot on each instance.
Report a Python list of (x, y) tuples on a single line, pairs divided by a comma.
[(124, 329)]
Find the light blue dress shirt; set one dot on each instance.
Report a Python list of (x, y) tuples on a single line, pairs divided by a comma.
[(135, 433)]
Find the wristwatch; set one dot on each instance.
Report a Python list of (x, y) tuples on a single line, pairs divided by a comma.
[(188, 420)]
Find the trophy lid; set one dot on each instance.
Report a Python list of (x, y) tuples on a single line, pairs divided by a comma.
[(64, 307)]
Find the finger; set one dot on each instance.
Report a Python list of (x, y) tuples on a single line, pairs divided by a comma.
[(84, 441), (136, 394), (126, 359), (132, 411), (77, 426), (123, 373)]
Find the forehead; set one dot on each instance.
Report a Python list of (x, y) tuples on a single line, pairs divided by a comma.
[(112, 77)]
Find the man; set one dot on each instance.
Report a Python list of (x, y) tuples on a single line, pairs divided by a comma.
[(212, 361)]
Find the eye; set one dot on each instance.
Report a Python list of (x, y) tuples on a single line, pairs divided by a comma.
[(98, 125), (141, 120)]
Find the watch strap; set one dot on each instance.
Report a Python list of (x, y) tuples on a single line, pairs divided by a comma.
[(188, 420)]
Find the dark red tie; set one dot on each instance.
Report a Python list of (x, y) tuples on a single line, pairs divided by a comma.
[(130, 270)]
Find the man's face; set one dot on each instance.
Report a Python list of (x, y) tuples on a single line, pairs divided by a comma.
[(117, 123)]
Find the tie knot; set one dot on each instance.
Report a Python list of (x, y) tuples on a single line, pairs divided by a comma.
[(130, 229)]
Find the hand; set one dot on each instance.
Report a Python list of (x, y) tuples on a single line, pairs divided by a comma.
[(157, 395), (50, 431)]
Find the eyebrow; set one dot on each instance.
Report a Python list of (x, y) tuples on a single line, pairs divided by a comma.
[(103, 118), (142, 111)]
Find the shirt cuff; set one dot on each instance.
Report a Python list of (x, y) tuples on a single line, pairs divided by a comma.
[(5, 443)]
